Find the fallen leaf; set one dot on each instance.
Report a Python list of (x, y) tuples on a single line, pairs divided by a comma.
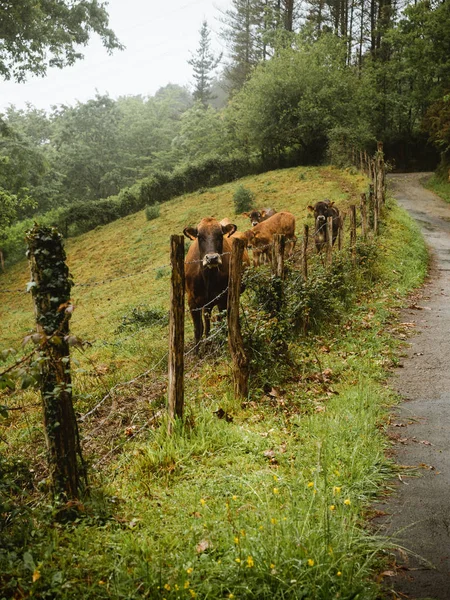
[(202, 546)]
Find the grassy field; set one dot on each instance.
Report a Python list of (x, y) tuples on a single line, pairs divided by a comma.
[(271, 502)]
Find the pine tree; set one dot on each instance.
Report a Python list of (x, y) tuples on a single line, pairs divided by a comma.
[(204, 63)]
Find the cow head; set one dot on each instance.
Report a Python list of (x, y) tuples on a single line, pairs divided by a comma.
[(209, 234), (256, 216), (321, 211)]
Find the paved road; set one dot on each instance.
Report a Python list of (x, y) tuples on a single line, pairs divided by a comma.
[(420, 510)]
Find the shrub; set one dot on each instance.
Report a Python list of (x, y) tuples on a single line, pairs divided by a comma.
[(243, 199), (152, 212), (142, 316)]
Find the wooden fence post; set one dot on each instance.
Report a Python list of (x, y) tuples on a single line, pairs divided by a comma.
[(240, 362), (381, 176), (329, 256), (305, 252), (50, 286), (175, 390), (340, 239), (353, 232), (278, 246), (364, 224)]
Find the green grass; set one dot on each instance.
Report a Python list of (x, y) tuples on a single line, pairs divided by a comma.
[(439, 186), (269, 505)]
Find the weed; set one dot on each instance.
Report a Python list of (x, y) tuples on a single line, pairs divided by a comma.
[(143, 316)]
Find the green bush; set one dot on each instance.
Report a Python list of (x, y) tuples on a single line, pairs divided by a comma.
[(243, 199), (142, 316), (152, 212)]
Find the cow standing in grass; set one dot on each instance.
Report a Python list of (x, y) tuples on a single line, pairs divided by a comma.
[(207, 271), (322, 210), (261, 235)]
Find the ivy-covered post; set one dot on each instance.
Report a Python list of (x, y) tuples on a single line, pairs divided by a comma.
[(381, 177), (50, 287), (340, 239)]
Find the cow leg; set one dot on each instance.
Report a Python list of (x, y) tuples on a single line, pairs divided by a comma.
[(198, 325), (207, 317)]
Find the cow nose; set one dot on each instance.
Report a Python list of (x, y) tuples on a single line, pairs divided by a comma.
[(212, 260), (254, 223)]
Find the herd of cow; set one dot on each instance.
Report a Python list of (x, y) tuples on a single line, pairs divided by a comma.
[(208, 257)]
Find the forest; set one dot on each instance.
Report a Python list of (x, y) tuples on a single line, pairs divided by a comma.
[(300, 83)]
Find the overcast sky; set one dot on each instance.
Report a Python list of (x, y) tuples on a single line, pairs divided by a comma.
[(158, 36)]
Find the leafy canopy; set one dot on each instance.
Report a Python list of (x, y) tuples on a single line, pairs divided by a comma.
[(48, 33)]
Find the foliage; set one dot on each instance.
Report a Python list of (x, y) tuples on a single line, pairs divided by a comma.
[(35, 36), (203, 64), (143, 316), (296, 99), (152, 212), (243, 199)]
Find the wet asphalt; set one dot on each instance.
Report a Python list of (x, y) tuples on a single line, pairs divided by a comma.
[(418, 511)]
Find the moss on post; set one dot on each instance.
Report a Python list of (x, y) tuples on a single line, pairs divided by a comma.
[(50, 286)]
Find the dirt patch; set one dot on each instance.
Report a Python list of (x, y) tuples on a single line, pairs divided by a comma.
[(418, 514)]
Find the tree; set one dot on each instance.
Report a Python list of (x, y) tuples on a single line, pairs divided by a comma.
[(37, 35), (204, 63)]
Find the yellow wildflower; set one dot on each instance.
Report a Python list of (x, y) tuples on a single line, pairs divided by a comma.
[(336, 490), (276, 491), (243, 532), (310, 562), (261, 527), (332, 507), (235, 497), (347, 501), (250, 562), (337, 473), (202, 501), (236, 540), (186, 585), (193, 594), (338, 573), (272, 566), (167, 587), (230, 595), (311, 484), (189, 571), (275, 478), (238, 560), (273, 521)]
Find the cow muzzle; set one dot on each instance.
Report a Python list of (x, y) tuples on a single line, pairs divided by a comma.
[(254, 223), (212, 261)]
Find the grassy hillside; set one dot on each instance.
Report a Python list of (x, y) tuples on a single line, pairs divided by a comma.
[(269, 503)]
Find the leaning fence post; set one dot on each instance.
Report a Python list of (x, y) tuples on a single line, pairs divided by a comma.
[(240, 362), (50, 286), (363, 208), (353, 232), (329, 257), (175, 390), (305, 252)]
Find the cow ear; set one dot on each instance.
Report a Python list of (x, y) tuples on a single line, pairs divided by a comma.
[(330, 204), (230, 229), (246, 214), (191, 232), (263, 213), (311, 208)]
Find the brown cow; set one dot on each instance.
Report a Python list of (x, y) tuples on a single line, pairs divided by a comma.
[(261, 235), (207, 271), (257, 216), (237, 234), (322, 210)]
